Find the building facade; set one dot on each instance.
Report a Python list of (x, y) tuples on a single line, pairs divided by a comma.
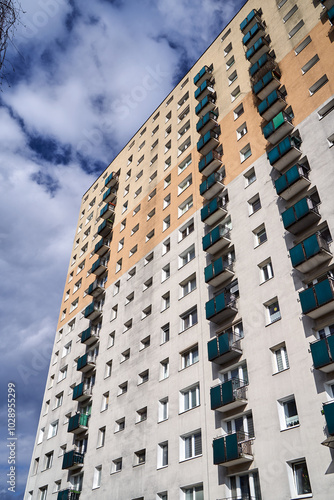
[(194, 355)]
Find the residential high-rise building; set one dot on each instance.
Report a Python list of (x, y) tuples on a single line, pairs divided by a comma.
[(194, 355)]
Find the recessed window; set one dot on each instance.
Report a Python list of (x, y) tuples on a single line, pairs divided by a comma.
[(185, 145), (165, 272), (330, 141), (120, 244), (266, 270), (143, 377), (230, 63), (155, 130), (149, 236), (122, 388), (273, 312), (188, 319), (187, 229), (137, 193), (242, 130), (118, 265), (254, 204), (188, 285), (120, 424), (48, 460), (300, 484), (153, 176), (238, 111), (62, 374), (166, 201), (168, 163), (140, 457), (184, 184), (280, 358), (122, 225), (183, 84), (114, 311), (168, 146), (232, 77), (146, 312), (148, 258), (183, 114), (290, 13), (165, 332), (141, 415), (116, 465), (128, 175), (151, 214), (133, 250), (184, 164), (185, 206), (125, 207), (317, 85), (183, 99), (288, 413), (187, 256), (156, 116), (53, 429), (105, 401), (108, 369), (191, 445), (166, 223), (245, 153), (167, 181), (302, 45), (227, 49), (163, 409), (97, 477), (140, 160), (165, 301), (111, 339), (162, 455), (164, 369), (166, 246), (235, 93), (145, 343), (136, 210), (126, 190), (134, 229), (189, 357), (296, 29), (192, 492), (147, 284), (250, 177), (260, 235), (152, 194), (125, 355), (310, 64)]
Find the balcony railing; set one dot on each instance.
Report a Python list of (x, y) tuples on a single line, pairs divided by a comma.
[(81, 392), (99, 266), (205, 89), (208, 142), (271, 105), (224, 348), (323, 354), (207, 104), (207, 122), (214, 211), (212, 185), (216, 240), (93, 311), (330, 14), (101, 247), (318, 300), (301, 215), (254, 34), (233, 449), (96, 288), (259, 64), (278, 127), (78, 423), (86, 362), (111, 180), (105, 228), (250, 20), (310, 253), (292, 182), (229, 395), (210, 163), (221, 307), (218, 272), (329, 416), (68, 494), (285, 153), (260, 47), (72, 460), (110, 195), (267, 84), (89, 336), (202, 75), (107, 211)]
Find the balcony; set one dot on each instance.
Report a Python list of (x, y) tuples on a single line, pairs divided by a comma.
[(68, 494), (208, 122), (78, 423), (221, 307), (81, 392), (105, 228), (110, 195), (323, 354), (111, 180), (205, 89), (96, 288), (233, 449), (216, 240), (211, 186), (107, 211), (93, 311), (328, 409), (72, 460), (210, 163), (228, 396), (310, 253), (278, 128), (86, 363), (208, 142), (89, 336), (301, 215), (252, 18), (318, 300), (292, 182), (218, 272), (224, 348), (267, 84), (206, 105), (202, 75), (330, 14), (254, 34), (271, 105), (99, 267), (260, 47), (286, 152), (214, 211), (258, 64), (101, 247)]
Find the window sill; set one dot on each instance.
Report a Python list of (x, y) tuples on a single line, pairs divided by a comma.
[(187, 328), (189, 409), (190, 458), (263, 242), (266, 281), (186, 295), (287, 429), (284, 370), (192, 364), (273, 322), (138, 465), (306, 495)]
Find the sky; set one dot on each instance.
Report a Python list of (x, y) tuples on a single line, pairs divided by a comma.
[(80, 78)]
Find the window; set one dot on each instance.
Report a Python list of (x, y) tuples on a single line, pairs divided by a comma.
[(165, 333), (330, 141), (192, 492), (242, 130), (48, 460), (288, 414), (120, 425), (151, 214), (166, 201), (125, 355), (67, 349), (188, 319), (123, 225), (152, 194), (184, 164), (183, 99), (227, 49), (122, 388), (266, 270), (127, 325), (137, 193), (164, 369), (153, 176), (120, 244), (116, 465), (140, 457), (163, 410), (235, 93), (97, 477), (62, 374), (125, 207), (168, 163), (186, 230), (185, 206), (108, 368), (133, 250), (101, 437), (162, 496), (118, 265), (245, 153), (41, 435), (191, 445), (74, 305), (105, 401), (43, 493), (168, 146), (310, 64), (131, 273), (250, 177), (149, 235), (238, 111), (273, 311), (36, 463), (296, 28), (167, 181), (140, 160), (111, 339), (280, 358), (147, 284), (188, 285), (128, 174), (146, 312), (156, 116), (59, 400), (138, 176), (290, 13), (260, 235), (142, 132), (189, 357), (166, 246), (302, 45), (136, 210), (57, 486), (166, 223), (114, 312), (141, 415), (232, 77), (230, 63), (77, 285), (317, 85), (155, 130), (117, 287), (162, 455), (300, 484), (165, 272), (189, 398), (145, 343), (185, 184), (185, 145), (143, 377), (254, 204), (183, 114), (186, 256), (53, 429)]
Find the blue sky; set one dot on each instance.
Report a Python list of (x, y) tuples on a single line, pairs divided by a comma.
[(81, 78)]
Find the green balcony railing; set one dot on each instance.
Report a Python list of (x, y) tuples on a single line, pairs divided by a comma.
[(216, 268), (282, 148), (84, 360), (212, 207), (299, 210), (78, 391), (110, 191), (209, 158), (255, 30), (232, 448), (68, 494), (291, 176), (205, 70), (112, 177), (258, 64), (76, 421), (109, 207), (276, 123), (208, 183), (223, 344), (259, 44), (273, 97), (317, 295), (215, 235), (104, 228), (201, 105), (268, 77), (206, 138), (227, 393), (206, 118), (307, 249), (205, 85), (248, 19), (330, 14), (93, 306), (323, 352), (72, 458), (329, 416), (218, 304)]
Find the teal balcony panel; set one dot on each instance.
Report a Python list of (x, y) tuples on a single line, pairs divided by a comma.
[(202, 75), (280, 126), (210, 163), (96, 288), (208, 142), (81, 392), (108, 211), (271, 105), (105, 228), (252, 18), (254, 34), (227, 392), (219, 455), (218, 272), (206, 88), (92, 311), (300, 216), (111, 180), (86, 362), (232, 452), (259, 64), (284, 153), (292, 182), (310, 253), (229, 450), (110, 195), (207, 104), (101, 247), (224, 348), (207, 122), (214, 211), (99, 266), (68, 494), (330, 14), (72, 460), (260, 47), (270, 82), (318, 300), (322, 354), (228, 396), (78, 423), (211, 186), (216, 397), (89, 336), (329, 416), (217, 239)]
